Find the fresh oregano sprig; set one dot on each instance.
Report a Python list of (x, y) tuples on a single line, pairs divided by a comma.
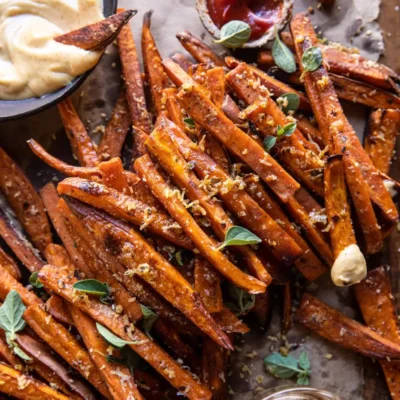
[(288, 102), (149, 318), (287, 367), (111, 338), (94, 288), (311, 60), (239, 236), (244, 301), (234, 34), (283, 56), (34, 280), (281, 132)]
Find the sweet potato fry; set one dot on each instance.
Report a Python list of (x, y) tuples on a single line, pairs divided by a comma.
[(310, 131), (207, 246), (262, 308), (133, 80), (198, 49), (98, 35), (337, 328), (119, 380), (141, 260), (125, 207), (174, 110), (31, 389), (308, 263), (207, 284), (228, 321), (12, 233), (158, 79), (116, 130), (206, 114), (147, 349), (9, 264), (113, 174), (95, 256), (81, 144), (374, 296), (336, 129), (182, 61), (24, 201), (237, 200), (66, 345), (287, 308), (383, 129), (55, 306)]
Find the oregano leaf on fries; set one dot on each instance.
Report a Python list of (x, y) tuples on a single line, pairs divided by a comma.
[(282, 56), (34, 281), (288, 102), (149, 317), (234, 34), (312, 59), (92, 286), (286, 130), (269, 142), (239, 236), (111, 338), (189, 122)]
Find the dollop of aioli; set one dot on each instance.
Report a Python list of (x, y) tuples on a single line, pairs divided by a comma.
[(32, 64), (349, 267)]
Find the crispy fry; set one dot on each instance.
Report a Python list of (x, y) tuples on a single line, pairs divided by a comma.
[(216, 82), (182, 61), (9, 264), (374, 296), (262, 308), (174, 110), (24, 387), (113, 174), (24, 201), (337, 206), (133, 80), (81, 144), (66, 345), (152, 386), (147, 349), (141, 260), (163, 148), (116, 130), (308, 263), (336, 129), (125, 207), (287, 308), (229, 322), (203, 111), (98, 35), (206, 245), (198, 49), (99, 260), (12, 233), (158, 79), (339, 329), (207, 284), (55, 306), (383, 129), (310, 131), (119, 380)]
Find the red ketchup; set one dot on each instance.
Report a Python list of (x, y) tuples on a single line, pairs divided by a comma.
[(261, 15)]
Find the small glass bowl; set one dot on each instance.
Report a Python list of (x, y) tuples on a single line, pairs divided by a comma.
[(295, 393)]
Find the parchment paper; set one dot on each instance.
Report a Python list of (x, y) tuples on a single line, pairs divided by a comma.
[(343, 372)]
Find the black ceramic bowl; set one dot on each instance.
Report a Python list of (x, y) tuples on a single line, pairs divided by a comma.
[(12, 109)]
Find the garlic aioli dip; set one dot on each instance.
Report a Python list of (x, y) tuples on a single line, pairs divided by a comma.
[(31, 62)]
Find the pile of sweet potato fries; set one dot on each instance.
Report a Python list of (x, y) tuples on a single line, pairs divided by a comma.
[(154, 234)]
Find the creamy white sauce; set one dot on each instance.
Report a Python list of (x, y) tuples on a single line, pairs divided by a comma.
[(31, 62), (349, 267)]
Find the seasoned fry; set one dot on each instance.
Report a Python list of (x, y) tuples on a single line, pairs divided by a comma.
[(336, 129), (113, 174), (31, 389), (198, 49), (133, 81), (374, 296), (55, 306), (287, 308), (308, 263), (66, 345), (383, 129), (24, 201), (339, 329), (98, 35), (174, 110), (262, 308), (9, 264), (81, 144), (125, 207), (158, 79), (116, 130), (182, 61), (141, 260), (229, 322), (206, 114), (310, 131), (12, 234), (119, 380), (207, 284), (147, 349), (206, 245)]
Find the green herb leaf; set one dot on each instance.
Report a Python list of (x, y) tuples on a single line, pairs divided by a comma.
[(234, 34), (34, 280), (189, 122), (20, 353), (111, 338), (288, 367), (244, 300), (149, 317), (128, 358), (178, 258), (312, 59), (238, 236), (283, 56), (269, 142), (11, 313), (92, 286), (288, 102), (287, 130)]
